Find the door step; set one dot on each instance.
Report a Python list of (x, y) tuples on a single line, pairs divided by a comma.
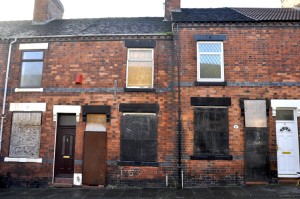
[(287, 180), (256, 183), (62, 185), (60, 180)]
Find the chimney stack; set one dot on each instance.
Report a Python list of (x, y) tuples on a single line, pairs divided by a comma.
[(171, 5), (290, 3), (47, 10)]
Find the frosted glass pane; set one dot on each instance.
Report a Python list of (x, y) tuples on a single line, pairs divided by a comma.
[(96, 122), (210, 66), (31, 74)]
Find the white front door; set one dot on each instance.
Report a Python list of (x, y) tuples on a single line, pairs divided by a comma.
[(287, 143)]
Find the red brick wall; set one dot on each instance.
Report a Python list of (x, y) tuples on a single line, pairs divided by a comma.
[(252, 53), (100, 63)]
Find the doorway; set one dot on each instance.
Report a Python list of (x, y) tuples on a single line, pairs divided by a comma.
[(287, 143), (65, 146), (94, 150)]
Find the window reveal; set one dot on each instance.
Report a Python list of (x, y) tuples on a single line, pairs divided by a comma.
[(140, 68), (32, 69), (139, 138), (211, 131)]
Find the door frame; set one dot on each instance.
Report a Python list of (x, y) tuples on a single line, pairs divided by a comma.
[(295, 123), (58, 109), (286, 104)]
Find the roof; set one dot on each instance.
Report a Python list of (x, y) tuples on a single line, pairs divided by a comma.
[(81, 27), (270, 14), (236, 14)]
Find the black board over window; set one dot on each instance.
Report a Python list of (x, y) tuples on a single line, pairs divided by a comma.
[(211, 131), (139, 137)]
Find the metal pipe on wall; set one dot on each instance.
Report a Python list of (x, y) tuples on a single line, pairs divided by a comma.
[(5, 90)]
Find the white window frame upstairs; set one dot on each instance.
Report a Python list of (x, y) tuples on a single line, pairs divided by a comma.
[(128, 60), (210, 53)]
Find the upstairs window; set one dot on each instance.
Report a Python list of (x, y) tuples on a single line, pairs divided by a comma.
[(32, 69), (140, 66), (210, 62)]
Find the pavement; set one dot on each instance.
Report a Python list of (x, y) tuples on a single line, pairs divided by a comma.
[(254, 191)]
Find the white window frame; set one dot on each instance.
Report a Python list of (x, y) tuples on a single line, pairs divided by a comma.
[(210, 53), (152, 60), (31, 88)]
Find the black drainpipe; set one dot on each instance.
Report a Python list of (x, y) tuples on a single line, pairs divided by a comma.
[(179, 125)]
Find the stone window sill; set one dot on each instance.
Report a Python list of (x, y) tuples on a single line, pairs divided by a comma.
[(31, 160), (210, 83), (148, 90), (20, 90), (133, 163), (212, 157)]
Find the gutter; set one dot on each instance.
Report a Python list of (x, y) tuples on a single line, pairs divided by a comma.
[(93, 35), (5, 91)]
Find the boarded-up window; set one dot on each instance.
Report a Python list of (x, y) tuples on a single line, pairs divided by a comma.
[(139, 138), (211, 131), (25, 135), (140, 68), (96, 122), (255, 113)]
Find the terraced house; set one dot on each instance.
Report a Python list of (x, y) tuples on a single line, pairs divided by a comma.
[(200, 97)]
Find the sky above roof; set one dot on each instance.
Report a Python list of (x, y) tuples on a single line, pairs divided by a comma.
[(119, 8)]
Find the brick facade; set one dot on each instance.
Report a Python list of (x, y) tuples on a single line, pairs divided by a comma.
[(260, 63), (100, 67)]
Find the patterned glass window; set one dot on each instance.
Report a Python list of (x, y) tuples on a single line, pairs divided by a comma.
[(140, 65), (211, 131), (25, 135), (210, 64)]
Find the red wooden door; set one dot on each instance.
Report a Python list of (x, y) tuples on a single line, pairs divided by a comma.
[(65, 146), (94, 158)]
